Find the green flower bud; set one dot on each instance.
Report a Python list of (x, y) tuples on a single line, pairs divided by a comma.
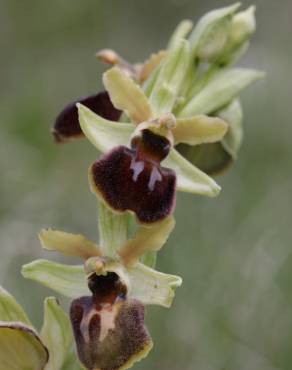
[(243, 25), (214, 41), (210, 35)]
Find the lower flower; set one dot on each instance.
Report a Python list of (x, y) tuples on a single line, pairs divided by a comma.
[(108, 327)]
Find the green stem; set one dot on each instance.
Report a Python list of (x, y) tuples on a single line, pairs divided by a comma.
[(113, 230)]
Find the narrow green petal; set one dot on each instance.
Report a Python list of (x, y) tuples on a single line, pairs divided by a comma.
[(152, 287), (10, 310), (220, 90), (199, 129), (75, 245), (103, 134), (56, 333), (189, 178), (146, 239), (64, 279), (21, 348), (204, 30), (170, 77), (126, 95)]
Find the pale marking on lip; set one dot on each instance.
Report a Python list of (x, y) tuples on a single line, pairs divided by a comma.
[(107, 314)]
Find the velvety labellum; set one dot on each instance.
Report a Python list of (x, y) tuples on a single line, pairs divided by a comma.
[(132, 179), (109, 328)]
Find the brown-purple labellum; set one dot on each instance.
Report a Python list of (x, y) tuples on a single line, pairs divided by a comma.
[(133, 180), (108, 328), (151, 146), (67, 124)]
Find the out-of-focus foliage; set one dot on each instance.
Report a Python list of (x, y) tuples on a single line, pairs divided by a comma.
[(234, 252)]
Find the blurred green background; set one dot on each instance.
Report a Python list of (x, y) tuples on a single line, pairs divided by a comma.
[(234, 310)]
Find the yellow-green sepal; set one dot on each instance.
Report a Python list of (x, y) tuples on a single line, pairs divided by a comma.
[(190, 179), (103, 134), (68, 280)]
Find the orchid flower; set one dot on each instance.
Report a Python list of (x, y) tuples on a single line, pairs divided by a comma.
[(107, 312), (129, 177)]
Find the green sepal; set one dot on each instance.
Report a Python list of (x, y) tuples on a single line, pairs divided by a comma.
[(67, 280), (103, 134), (189, 178), (152, 287)]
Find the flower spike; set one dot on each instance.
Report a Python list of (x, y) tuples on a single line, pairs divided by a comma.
[(181, 116)]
